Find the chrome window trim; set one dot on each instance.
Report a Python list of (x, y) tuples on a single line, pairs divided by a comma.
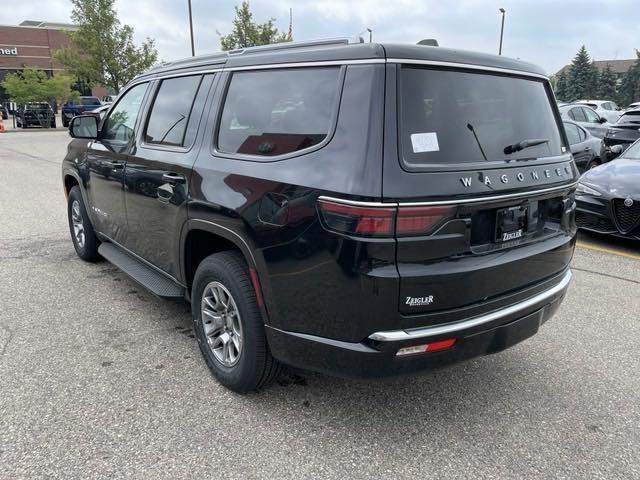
[(356, 203), (421, 333), (325, 63), (466, 66)]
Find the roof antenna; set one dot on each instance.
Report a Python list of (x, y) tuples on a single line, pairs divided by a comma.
[(430, 42)]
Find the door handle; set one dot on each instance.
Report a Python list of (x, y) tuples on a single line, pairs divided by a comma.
[(174, 178), (165, 193)]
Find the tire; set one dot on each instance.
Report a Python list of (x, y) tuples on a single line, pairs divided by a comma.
[(65, 123), (87, 244), (254, 367), (592, 164)]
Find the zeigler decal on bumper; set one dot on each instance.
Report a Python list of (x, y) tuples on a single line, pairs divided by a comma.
[(419, 301)]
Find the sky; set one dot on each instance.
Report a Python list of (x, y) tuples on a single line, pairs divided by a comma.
[(545, 32)]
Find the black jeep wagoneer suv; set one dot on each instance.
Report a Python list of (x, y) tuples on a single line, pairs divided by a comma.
[(356, 209)]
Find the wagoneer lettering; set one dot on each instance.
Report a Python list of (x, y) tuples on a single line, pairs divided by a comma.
[(286, 193)]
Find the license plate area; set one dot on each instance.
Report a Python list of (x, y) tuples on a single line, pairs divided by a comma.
[(511, 223)]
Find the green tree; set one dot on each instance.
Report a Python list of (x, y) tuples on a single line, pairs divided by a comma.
[(247, 33), (629, 90), (562, 86), (32, 85), (103, 52), (583, 77), (607, 84)]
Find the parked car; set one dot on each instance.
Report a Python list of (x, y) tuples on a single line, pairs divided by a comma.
[(35, 114), (108, 99), (608, 197), (361, 210), (633, 106), (71, 109), (4, 113), (588, 151), (586, 117), (604, 108), (625, 131)]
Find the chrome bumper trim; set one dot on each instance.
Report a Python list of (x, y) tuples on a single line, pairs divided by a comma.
[(419, 333)]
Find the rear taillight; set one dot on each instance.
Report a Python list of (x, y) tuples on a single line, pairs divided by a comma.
[(420, 220), (382, 221), (357, 220)]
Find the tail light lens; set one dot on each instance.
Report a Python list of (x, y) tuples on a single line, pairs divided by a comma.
[(356, 220), (420, 220), (381, 221)]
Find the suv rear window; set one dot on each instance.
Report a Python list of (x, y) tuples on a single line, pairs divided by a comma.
[(453, 117), (275, 112), (90, 101)]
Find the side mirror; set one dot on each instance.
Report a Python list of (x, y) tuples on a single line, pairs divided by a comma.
[(616, 149), (603, 120), (84, 126)]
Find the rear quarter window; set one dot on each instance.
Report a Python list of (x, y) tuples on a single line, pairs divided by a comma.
[(277, 112), (452, 117)]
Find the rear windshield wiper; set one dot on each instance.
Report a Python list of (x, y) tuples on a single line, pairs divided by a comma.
[(516, 147)]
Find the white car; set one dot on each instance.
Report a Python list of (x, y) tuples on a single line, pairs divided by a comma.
[(586, 117), (604, 108), (633, 106)]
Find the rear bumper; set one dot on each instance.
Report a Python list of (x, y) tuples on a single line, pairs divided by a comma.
[(376, 355)]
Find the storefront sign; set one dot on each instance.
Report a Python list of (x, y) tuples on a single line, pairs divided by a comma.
[(8, 51)]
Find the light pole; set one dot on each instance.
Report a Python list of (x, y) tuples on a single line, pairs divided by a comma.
[(193, 49), (502, 10)]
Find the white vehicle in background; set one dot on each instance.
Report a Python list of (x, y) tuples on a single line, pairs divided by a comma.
[(605, 108), (633, 106), (108, 99), (586, 117)]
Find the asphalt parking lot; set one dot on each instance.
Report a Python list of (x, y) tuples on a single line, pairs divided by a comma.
[(100, 379)]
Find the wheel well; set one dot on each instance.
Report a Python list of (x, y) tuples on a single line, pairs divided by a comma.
[(69, 182), (199, 245)]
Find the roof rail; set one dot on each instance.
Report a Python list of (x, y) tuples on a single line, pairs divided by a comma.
[(288, 45)]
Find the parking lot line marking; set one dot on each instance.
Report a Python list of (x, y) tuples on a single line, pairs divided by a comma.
[(590, 246)]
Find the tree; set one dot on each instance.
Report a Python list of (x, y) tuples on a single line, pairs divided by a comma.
[(629, 90), (103, 52), (32, 85), (246, 33), (583, 77), (562, 86), (607, 84)]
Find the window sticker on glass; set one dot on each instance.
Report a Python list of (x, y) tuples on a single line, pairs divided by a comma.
[(425, 142)]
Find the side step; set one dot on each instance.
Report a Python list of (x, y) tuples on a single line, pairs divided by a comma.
[(148, 277)]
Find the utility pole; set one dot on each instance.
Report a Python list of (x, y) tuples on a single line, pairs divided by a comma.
[(502, 10), (193, 49)]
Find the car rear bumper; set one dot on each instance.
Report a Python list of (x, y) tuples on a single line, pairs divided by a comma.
[(376, 356)]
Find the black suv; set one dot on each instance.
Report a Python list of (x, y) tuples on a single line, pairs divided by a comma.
[(356, 209), (35, 114)]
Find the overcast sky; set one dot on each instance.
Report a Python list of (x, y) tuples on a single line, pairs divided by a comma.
[(546, 32)]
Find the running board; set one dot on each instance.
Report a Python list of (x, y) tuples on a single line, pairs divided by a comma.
[(145, 275)]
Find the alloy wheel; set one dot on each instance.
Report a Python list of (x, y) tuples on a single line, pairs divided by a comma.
[(78, 225), (221, 322)]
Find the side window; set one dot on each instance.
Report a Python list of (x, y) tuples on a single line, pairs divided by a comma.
[(577, 114), (171, 109), (119, 124), (274, 112), (583, 134), (607, 106), (573, 133), (592, 117)]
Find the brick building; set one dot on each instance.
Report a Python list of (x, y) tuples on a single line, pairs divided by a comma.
[(31, 45)]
